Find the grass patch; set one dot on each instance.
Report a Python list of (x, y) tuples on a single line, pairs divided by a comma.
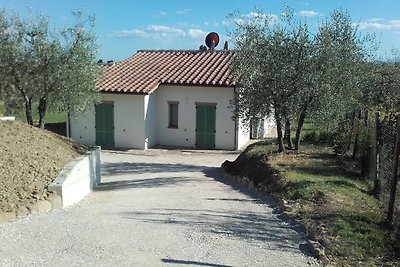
[(2, 109), (52, 115), (330, 199)]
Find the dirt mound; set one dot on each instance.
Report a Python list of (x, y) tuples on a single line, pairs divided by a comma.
[(30, 158), (255, 167)]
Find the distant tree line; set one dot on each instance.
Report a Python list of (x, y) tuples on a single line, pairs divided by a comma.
[(285, 70), (42, 67)]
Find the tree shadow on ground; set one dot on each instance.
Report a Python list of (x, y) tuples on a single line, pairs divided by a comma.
[(142, 183), (167, 175), (278, 233), (193, 263), (121, 168)]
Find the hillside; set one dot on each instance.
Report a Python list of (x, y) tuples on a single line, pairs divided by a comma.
[(30, 158)]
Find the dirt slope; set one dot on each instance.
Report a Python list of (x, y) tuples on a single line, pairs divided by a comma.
[(30, 158)]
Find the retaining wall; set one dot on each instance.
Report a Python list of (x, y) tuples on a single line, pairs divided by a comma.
[(78, 178)]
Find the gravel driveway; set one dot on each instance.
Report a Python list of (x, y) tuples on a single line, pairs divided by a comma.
[(158, 208)]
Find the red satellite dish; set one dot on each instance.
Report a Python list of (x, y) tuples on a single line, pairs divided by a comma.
[(212, 37)]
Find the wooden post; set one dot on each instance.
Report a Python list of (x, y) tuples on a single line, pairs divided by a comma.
[(357, 126), (393, 184), (375, 150)]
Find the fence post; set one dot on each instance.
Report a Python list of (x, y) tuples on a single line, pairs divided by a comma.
[(357, 127), (375, 150), (393, 184)]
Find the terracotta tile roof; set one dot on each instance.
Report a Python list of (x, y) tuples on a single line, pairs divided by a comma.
[(143, 72)]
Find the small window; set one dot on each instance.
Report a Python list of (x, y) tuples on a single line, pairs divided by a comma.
[(173, 114)]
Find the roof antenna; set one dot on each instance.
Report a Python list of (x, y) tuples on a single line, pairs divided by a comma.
[(226, 45), (212, 40)]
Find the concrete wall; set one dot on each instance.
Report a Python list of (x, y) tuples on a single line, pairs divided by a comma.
[(78, 178), (129, 118), (188, 96)]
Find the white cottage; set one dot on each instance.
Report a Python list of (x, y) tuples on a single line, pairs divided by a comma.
[(170, 98)]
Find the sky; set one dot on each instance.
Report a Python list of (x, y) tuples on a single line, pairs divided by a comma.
[(125, 26)]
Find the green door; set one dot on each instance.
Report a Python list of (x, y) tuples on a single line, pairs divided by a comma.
[(105, 124), (205, 126)]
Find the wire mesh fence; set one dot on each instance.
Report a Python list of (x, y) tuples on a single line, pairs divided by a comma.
[(374, 144), (386, 165)]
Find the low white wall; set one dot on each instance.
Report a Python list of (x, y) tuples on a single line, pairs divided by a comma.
[(78, 178), (9, 118)]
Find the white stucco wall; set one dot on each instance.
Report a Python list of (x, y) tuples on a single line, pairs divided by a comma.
[(243, 135), (129, 117), (141, 121), (269, 125), (83, 127), (150, 114), (188, 96)]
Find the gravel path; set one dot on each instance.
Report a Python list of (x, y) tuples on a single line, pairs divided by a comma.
[(158, 208)]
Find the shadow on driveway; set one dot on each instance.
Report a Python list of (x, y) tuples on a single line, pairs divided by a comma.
[(121, 168), (240, 224), (113, 170), (193, 263)]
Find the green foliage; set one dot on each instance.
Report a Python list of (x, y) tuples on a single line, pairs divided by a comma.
[(282, 67), (46, 67)]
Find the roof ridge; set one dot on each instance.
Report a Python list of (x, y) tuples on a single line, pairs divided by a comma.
[(185, 51)]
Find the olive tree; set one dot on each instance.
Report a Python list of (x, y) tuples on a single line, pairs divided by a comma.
[(273, 59), (282, 67), (50, 67)]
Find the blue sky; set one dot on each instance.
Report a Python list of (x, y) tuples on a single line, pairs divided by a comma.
[(125, 26)]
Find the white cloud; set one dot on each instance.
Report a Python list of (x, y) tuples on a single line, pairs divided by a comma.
[(196, 33), (214, 24), (160, 14), (158, 31), (133, 33), (165, 30), (183, 11), (375, 19), (308, 13), (376, 25)]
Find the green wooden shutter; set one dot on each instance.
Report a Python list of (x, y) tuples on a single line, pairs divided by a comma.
[(205, 126), (105, 124)]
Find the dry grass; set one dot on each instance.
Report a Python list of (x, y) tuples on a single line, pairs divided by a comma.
[(332, 201)]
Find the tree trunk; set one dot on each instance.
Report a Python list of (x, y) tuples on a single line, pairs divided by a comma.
[(278, 120), (300, 124), (288, 134), (28, 110), (42, 107)]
